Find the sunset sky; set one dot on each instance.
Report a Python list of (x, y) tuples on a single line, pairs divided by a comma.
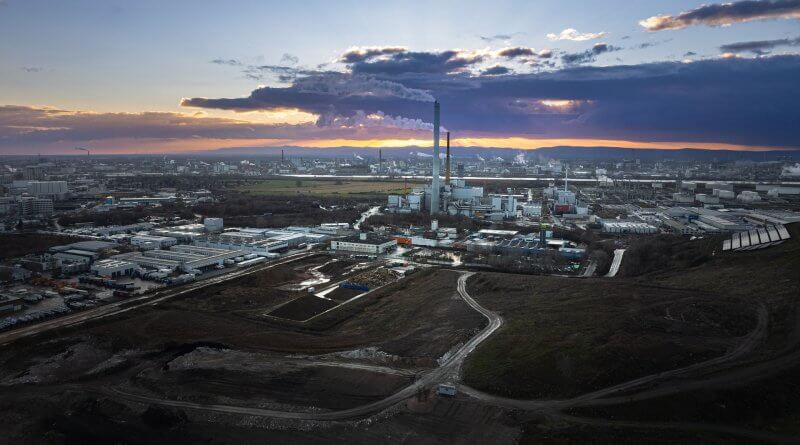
[(176, 76)]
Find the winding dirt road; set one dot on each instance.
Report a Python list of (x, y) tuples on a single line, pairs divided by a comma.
[(450, 367)]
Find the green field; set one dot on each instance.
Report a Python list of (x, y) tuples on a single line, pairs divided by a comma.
[(323, 187)]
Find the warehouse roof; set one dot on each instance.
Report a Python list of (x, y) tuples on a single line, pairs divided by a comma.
[(371, 239)]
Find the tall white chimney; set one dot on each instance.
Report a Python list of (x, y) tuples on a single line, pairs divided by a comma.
[(436, 188)]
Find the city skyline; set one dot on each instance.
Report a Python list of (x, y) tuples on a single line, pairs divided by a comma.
[(122, 77)]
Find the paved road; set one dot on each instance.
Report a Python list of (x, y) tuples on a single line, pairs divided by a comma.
[(615, 263), (133, 303), (446, 372)]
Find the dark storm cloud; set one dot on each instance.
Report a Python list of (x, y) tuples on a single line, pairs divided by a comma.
[(355, 55), (497, 70), (517, 51), (329, 95), (719, 14), (758, 46), (417, 62), (589, 55), (741, 101)]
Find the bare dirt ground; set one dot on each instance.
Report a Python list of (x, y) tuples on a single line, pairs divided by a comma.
[(200, 348)]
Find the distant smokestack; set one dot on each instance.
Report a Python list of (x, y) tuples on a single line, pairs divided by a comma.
[(380, 161), (282, 157), (436, 186), (447, 163)]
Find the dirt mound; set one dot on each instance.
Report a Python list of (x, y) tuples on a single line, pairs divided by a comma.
[(374, 278), (337, 267)]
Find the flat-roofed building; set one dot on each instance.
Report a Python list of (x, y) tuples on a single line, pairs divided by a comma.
[(113, 268), (628, 227), (367, 243), (149, 240), (187, 258), (76, 256), (29, 206), (54, 189)]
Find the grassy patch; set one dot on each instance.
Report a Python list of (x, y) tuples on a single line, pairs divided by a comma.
[(566, 336)]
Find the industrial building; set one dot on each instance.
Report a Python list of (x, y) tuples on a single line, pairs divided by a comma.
[(116, 230), (114, 268), (29, 206), (454, 196), (186, 258), (147, 200), (252, 243), (153, 241), (328, 229), (615, 226), (184, 234), (76, 256), (51, 189), (91, 246), (263, 241), (366, 243)]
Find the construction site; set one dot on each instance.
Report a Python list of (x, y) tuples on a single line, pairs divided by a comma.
[(317, 347)]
